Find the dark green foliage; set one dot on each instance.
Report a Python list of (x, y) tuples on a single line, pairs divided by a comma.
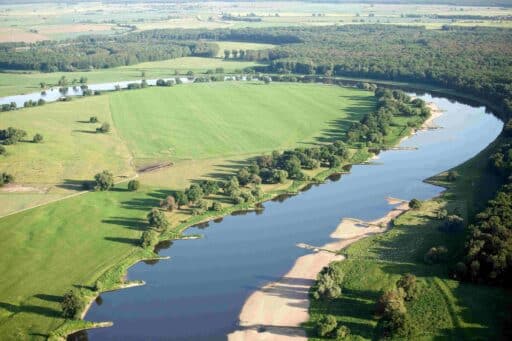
[(489, 248), (326, 325), (181, 198), (71, 305), (231, 187), (341, 332), (415, 204), (12, 135), (6, 178), (93, 119), (452, 176), (105, 128), (3, 151), (209, 187), (157, 219), (328, 284), (194, 193), (216, 206), (148, 239), (103, 181), (409, 285), (133, 185), (38, 138), (162, 82), (436, 254)]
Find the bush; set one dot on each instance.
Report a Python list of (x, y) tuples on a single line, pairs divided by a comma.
[(93, 119), (149, 239), (415, 204), (341, 332), (104, 181), (3, 151), (328, 284), (71, 305), (326, 325), (157, 219), (105, 128), (181, 198), (409, 285), (168, 204), (216, 206), (133, 185), (38, 138), (436, 255)]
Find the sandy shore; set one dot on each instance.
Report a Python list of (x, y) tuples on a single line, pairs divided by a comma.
[(435, 112), (276, 311)]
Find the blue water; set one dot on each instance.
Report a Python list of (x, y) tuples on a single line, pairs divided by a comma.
[(199, 292)]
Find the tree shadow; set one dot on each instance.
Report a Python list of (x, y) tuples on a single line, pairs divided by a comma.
[(74, 185), (137, 224), (85, 131), (88, 122), (131, 241), (49, 298), (141, 204), (32, 309)]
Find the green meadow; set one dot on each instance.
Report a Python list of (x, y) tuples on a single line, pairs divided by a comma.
[(232, 118)]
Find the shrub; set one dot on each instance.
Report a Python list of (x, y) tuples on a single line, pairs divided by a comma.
[(436, 255), (157, 219), (104, 181), (326, 325), (105, 128), (93, 119), (415, 204), (409, 285), (38, 138), (168, 204), (341, 332), (198, 211), (3, 151), (216, 206), (203, 205), (6, 178), (133, 185), (71, 305), (149, 239)]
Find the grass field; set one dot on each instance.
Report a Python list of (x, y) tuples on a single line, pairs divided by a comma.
[(71, 149), (49, 250), (15, 83), (445, 308), (223, 119)]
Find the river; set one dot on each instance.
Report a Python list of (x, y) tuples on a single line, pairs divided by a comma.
[(199, 292)]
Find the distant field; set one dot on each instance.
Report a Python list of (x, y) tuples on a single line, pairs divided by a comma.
[(15, 83), (222, 119), (232, 45)]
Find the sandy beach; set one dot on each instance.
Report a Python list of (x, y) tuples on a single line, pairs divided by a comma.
[(276, 311)]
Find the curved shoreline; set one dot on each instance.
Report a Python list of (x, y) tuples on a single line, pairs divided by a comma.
[(435, 112), (277, 310)]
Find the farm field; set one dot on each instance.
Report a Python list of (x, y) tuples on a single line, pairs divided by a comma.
[(15, 83), (232, 118)]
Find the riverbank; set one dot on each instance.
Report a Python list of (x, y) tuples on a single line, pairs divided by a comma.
[(276, 311)]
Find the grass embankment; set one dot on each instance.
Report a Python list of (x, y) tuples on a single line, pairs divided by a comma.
[(70, 244), (445, 308), (15, 83)]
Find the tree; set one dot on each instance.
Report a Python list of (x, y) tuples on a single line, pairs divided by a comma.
[(227, 53), (148, 239), (415, 204), (328, 284), (243, 176), (71, 305), (216, 206), (6, 178), (181, 198), (105, 128), (104, 181), (93, 119), (436, 254), (231, 186), (168, 204), (38, 138), (194, 193), (234, 53), (157, 219), (209, 187), (3, 151), (326, 325), (409, 285), (133, 185)]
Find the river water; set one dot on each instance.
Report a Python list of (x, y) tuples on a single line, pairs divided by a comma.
[(199, 292)]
